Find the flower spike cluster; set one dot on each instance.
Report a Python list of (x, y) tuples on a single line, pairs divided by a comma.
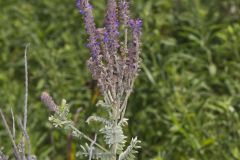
[(115, 60), (86, 10)]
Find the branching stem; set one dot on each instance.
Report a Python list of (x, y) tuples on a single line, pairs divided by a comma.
[(88, 138)]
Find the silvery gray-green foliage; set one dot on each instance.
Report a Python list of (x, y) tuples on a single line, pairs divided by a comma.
[(113, 134), (128, 154), (93, 153)]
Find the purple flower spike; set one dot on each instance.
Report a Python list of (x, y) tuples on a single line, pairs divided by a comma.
[(111, 25), (124, 6), (86, 9), (78, 4), (90, 6), (135, 26), (139, 23)]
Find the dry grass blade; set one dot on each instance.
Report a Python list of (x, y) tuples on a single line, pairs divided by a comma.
[(17, 154)]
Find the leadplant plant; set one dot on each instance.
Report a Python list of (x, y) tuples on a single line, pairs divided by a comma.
[(114, 64)]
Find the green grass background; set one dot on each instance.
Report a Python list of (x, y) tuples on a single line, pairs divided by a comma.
[(186, 101)]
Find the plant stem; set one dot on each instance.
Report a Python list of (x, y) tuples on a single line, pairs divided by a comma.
[(114, 146), (88, 138), (114, 126)]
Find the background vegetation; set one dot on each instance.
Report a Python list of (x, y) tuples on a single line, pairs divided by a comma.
[(186, 101)]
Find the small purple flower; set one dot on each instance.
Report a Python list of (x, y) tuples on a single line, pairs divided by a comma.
[(81, 12), (135, 25), (105, 39), (139, 23), (89, 6), (131, 23), (117, 24)]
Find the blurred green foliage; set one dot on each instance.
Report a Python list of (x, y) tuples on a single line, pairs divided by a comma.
[(186, 101)]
